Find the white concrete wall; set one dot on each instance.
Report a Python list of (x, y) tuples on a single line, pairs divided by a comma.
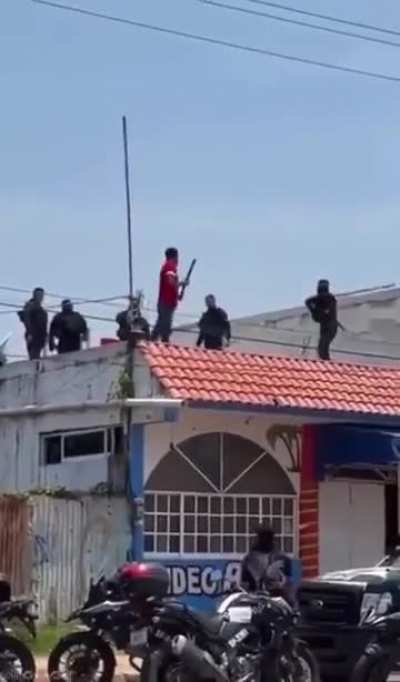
[(158, 437), (20, 466), (74, 377), (61, 380)]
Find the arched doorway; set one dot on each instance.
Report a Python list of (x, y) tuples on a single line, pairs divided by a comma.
[(209, 493)]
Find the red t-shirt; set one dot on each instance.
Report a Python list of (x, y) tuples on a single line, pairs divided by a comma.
[(169, 284)]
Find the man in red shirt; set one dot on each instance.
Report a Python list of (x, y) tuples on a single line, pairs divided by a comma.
[(168, 296)]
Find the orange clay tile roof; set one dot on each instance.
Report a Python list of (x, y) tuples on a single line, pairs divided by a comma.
[(203, 376)]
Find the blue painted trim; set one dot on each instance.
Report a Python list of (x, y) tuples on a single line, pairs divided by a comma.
[(331, 415), (136, 478)]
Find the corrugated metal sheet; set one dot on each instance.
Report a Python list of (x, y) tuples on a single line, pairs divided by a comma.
[(15, 555), (75, 540)]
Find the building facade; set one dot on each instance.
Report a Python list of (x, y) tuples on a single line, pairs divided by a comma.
[(220, 442)]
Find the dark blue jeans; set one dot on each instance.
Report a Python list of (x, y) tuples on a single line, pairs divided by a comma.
[(163, 326)]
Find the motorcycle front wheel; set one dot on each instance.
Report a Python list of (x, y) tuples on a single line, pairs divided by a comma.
[(16, 661), (170, 669), (82, 656), (306, 665), (376, 664), (298, 665)]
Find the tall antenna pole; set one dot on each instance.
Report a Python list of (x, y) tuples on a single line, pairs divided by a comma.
[(128, 206), (130, 360)]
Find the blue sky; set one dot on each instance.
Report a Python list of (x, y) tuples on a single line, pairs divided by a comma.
[(272, 174)]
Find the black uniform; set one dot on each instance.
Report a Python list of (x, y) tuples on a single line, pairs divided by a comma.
[(139, 323), (323, 309), (267, 571), (35, 319), (214, 327), (69, 328)]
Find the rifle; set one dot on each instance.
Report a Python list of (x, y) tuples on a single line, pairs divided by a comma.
[(184, 285)]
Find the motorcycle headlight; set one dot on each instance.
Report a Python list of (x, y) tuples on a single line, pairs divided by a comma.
[(32, 610), (375, 605)]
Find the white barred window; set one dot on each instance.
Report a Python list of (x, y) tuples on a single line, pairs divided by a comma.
[(208, 494), (187, 523)]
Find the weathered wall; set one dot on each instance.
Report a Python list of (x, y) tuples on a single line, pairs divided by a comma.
[(87, 375), (62, 381), (21, 469)]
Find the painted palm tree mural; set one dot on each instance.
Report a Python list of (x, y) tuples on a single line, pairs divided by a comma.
[(290, 437)]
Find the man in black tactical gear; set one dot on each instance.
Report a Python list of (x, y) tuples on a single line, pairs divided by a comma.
[(34, 318), (69, 327), (214, 326), (323, 309)]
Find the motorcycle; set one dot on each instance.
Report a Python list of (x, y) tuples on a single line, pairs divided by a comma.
[(109, 623), (382, 654), (290, 656), (16, 660), (248, 642)]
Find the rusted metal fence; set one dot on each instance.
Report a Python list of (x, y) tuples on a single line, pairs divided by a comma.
[(15, 548)]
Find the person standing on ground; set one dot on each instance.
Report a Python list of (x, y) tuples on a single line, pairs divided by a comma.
[(323, 309), (69, 327), (168, 296), (34, 317), (214, 326)]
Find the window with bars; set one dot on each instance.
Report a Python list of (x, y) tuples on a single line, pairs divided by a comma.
[(187, 523)]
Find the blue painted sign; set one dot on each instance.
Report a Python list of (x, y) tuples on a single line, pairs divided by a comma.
[(200, 582)]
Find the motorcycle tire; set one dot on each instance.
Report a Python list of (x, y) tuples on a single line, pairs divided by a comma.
[(13, 647), (301, 666), (171, 670), (81, 641), (308, 663), (376, 664)]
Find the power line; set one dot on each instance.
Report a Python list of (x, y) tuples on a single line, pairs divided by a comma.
[(17, 306), (224, 43), (300, 346), (79, 300), (327, 17), (297, 22), (236, 337)]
